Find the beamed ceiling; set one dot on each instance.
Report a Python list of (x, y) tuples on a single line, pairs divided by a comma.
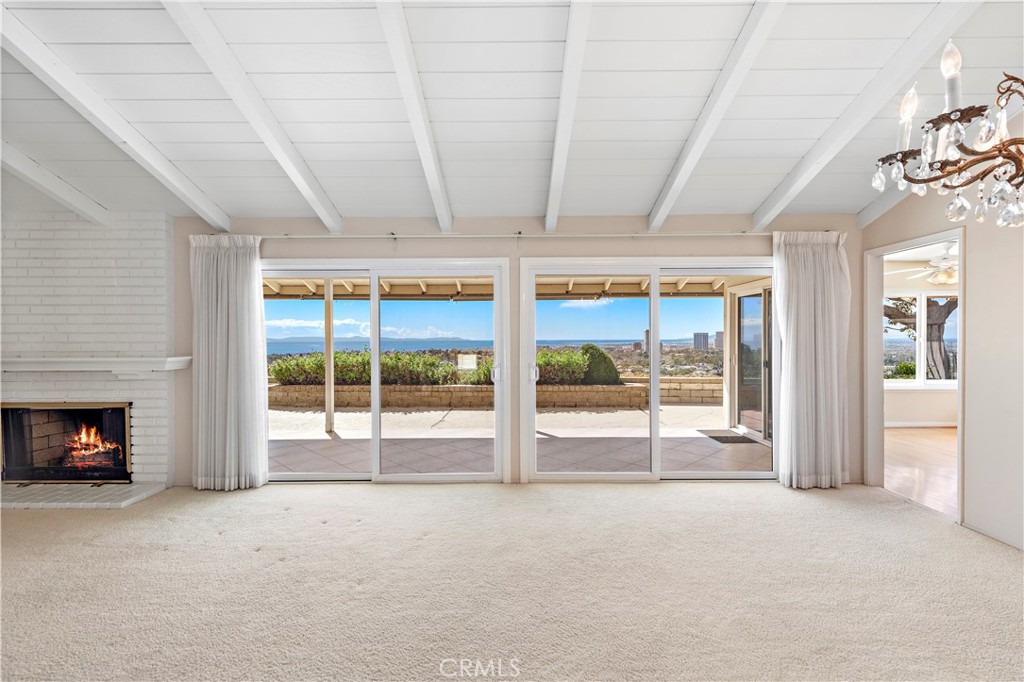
[(458, 110)]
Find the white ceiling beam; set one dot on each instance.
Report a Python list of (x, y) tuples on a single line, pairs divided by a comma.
[(34, 55), (929, 37), (756, 30), (53, 186), (572, 73), (396, 32), (200, 30), (879, 206)]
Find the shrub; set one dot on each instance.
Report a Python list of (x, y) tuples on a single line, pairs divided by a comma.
[(481, 376), (351, 368), (416, 369), (904, 370), (298, 369), (561, 366), (601, 368)]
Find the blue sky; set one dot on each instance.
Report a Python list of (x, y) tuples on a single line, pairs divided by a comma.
[(620, 318)]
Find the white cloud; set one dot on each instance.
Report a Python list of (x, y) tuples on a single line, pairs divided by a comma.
[(586, 303), (289, 323), (406, 333), (360, 329)]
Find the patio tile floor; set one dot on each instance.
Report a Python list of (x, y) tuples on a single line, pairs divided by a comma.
[(611, 441)]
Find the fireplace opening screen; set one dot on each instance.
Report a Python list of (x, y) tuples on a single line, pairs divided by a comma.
[(66, 442)]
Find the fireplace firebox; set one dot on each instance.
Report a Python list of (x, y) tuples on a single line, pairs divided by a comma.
[(66, 442)]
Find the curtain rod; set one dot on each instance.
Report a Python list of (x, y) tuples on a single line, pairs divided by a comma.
[(517, 235)]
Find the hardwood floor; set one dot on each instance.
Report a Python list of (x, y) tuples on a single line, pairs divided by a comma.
[(921, 464)]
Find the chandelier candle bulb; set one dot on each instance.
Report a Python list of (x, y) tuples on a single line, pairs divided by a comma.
[(908, 107), (950, 66)]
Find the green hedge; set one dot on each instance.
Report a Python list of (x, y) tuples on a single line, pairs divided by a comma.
[(352, 368), (562, 366)]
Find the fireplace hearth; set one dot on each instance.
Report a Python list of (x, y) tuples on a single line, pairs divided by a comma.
[(66, 442)]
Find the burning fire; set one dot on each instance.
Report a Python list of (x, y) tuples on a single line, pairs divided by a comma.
[(87, 448)]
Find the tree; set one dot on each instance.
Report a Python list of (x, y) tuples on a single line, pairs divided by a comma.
[(901, 315)]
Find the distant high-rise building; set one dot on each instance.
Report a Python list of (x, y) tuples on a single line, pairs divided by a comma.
[(647, 340), (638, 345), (700, 341), (719, 340)]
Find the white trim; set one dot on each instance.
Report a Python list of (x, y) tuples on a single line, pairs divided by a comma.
[(933, 385), (755, 32), (53, 186), (201, 32), (918, 425), (122, 368), (928, 37), (873, 382), (572, 73), (296, 477), (396, 32), (51, 70)]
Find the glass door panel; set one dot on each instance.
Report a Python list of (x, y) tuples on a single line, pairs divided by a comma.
[(592, 370), (437, 352), (750, 363), (351, 446), (692, 373), (308, 438)]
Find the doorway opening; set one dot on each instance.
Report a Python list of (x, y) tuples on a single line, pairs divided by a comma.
[(920, 332)]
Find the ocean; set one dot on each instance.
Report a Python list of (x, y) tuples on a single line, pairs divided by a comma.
[(306, 345)]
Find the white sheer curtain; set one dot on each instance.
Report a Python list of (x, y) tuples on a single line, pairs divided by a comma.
[(812, 299), (229, 361)]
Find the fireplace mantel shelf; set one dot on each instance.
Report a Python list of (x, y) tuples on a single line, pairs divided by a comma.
[(123, 368)]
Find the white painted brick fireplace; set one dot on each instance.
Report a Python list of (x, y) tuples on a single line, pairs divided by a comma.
[(72, 289)]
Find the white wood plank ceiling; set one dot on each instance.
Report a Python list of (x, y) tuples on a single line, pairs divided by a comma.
[(468, 122)]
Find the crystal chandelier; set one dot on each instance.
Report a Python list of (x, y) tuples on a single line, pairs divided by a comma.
[(946, 161)]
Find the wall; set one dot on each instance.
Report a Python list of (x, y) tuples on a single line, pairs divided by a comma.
[(992, 360), (505, 247), (920, 407), (73, 289)]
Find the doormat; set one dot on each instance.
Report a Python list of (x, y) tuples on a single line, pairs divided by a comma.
[(724, 436)]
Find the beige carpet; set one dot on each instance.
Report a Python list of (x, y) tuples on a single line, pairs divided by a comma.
[(668, 581)]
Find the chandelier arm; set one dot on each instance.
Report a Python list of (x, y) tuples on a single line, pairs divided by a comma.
[(942, 174), (1009, 87)]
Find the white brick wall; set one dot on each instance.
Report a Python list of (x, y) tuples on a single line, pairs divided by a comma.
[(74, 289)]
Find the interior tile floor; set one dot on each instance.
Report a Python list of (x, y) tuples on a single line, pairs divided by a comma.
[(920, 464), (460, 442)]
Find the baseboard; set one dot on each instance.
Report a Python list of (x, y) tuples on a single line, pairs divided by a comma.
[(917, 425)]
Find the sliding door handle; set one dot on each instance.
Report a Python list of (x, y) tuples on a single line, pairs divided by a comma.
[(534, 373), (495, 374)]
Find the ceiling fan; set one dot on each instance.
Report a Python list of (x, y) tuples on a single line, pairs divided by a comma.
[(944, 269)]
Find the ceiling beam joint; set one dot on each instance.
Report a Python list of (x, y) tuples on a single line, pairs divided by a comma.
[(53, 186), (38, 58), (204, 36), (396, 32), (755, 32), (572, 74), (944, 19)]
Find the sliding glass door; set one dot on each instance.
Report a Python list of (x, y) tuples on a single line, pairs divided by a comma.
[(389, 373), (592, 406)]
